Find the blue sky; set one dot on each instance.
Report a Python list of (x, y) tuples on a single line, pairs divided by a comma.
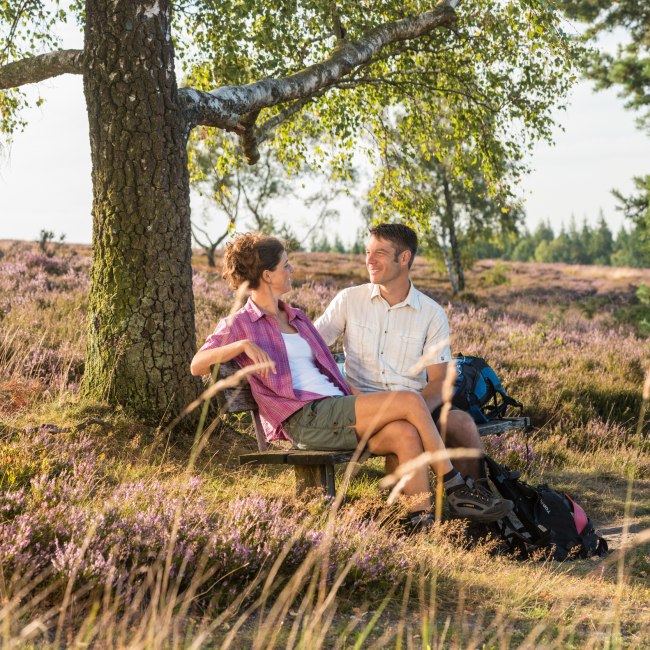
[(45, 177)]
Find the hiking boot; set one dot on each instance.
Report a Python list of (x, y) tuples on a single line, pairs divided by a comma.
[(477, 503), (418, 522)]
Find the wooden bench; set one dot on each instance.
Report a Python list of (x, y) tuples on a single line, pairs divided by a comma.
[(312, 468)]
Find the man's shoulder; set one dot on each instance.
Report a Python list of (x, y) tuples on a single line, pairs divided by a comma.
[(357, 289), (428, 305), (356, 292)]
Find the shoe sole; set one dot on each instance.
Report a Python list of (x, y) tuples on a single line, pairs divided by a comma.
[(482, 516)]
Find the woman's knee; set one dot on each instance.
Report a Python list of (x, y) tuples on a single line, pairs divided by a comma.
[(411, 401)]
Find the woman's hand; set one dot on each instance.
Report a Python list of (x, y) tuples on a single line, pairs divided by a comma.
[(255, 353)]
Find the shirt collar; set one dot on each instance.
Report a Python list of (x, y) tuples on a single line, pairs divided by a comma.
[(412, 298), (255, 313)]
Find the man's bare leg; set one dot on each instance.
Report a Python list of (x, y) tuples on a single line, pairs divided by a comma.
[(461, 431)]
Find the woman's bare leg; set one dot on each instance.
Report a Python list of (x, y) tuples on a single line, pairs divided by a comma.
[(374, 411), (402, 442)]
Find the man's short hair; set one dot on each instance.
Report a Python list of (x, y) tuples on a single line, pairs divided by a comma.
[(402, 236)]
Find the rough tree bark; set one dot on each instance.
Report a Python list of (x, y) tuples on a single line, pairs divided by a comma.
[(141, 311)]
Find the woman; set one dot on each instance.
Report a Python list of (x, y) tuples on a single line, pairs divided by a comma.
[(303, 397)]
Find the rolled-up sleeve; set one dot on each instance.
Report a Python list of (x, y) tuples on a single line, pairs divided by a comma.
[(332, 323), (437, 343), (224, 333)]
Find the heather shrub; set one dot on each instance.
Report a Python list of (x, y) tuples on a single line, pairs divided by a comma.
[(494, 276), (117, 511), (560, 372), (213, 300), (312, 298), (63, 509), (42, 302), (34, 279), (511, 449)]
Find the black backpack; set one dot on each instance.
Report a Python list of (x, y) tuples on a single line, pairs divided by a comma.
[(542, 521), (478, 390)]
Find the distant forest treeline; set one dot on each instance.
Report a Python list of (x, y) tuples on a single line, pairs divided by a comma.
[(573, 245), (586, 244)]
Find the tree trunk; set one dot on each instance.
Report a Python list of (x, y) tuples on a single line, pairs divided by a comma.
[(448, 264), (453, 239), (141, 307), (455, 254)]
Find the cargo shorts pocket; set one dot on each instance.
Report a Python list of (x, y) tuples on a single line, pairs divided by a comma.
[(326, 424)]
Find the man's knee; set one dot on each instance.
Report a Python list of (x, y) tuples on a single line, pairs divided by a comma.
[(462, 430)]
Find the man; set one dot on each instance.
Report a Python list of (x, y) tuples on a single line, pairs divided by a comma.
[(390, 329)]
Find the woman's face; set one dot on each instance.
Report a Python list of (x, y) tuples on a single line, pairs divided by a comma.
[(280, 277)]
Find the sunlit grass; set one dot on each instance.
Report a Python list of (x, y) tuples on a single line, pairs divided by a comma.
[(110, 537)]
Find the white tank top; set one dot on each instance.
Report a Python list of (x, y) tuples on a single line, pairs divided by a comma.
[(304, 373)]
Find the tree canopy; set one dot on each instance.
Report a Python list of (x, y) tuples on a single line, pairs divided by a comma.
[(281, 72), (629, 67)]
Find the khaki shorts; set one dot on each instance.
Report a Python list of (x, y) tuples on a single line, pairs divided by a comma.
[(325, 424)]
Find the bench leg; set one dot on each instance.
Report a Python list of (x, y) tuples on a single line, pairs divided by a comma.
[(311, 476)]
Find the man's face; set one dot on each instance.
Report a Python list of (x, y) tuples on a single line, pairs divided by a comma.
[(383, 262)]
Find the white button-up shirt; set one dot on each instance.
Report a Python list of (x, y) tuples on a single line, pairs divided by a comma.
[(386, 348)]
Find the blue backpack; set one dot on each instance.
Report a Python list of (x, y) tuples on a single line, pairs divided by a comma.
[(478, 390)]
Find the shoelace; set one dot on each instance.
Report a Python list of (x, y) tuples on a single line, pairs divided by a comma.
[(480, 492)]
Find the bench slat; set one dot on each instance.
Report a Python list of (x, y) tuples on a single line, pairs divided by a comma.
[(495, 427), (296, 457), (270, 457)]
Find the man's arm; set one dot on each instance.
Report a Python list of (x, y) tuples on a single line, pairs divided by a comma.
[(432, 392), (437, 354), (332, 323)]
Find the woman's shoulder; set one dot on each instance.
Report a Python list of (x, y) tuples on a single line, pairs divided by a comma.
[(233, 321)]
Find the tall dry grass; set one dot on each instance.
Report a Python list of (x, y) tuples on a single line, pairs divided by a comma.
[(113, 534)]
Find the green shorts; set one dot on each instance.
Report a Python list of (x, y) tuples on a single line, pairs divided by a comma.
[(325, 424)]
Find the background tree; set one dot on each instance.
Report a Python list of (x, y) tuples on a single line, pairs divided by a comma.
[(524, 249), (247, 196), (239, 192), (454, 206), (600, 244), (636, 207), (48, 242), (629, 71), (628, 68), (280, 71)]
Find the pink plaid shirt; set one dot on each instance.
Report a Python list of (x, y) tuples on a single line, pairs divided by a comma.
[(275, 396)]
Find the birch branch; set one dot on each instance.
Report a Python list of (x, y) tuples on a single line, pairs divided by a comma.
[(224, 107), (37, 68)]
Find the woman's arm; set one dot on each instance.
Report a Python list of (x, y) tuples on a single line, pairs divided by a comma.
[(204, 359)]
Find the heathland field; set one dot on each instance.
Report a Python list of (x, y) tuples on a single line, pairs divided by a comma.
[(118, 534)]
